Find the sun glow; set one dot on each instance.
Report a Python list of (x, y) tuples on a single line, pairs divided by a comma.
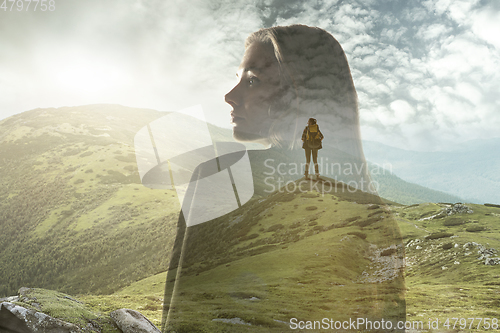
[(87, 77)]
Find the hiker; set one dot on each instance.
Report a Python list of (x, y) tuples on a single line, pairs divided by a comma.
[(312, 138)]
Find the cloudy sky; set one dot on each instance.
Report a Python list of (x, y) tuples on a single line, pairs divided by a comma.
[(427, 72)]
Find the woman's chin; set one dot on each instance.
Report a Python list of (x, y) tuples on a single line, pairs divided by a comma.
[(247, 136)]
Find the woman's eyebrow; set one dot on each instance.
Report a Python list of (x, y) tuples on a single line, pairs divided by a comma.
[(253, 69), (256, 70)]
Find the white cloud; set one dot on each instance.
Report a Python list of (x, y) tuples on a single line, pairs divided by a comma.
[(415, 14), (393, 35), (486, 25), (418, 92), (433, 31), (372, 86), (469, 92), (459, 10), (460, 57), (403, 111), (362, 50)]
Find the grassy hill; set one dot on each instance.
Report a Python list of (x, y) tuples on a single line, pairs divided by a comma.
[(444, 278), (269, 262), (446, 272), (73, 214)]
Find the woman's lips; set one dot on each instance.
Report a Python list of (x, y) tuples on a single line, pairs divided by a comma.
[(235, 118)]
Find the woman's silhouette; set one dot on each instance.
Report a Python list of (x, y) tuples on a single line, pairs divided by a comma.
[(260, 266)]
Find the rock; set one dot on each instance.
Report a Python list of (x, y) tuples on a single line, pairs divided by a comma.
[(130, 321), (492, 261), (9, 299), (235, 320), (470, 244), (484, 253), (458, 209), (448, 211), (17, 319), (10, 323)]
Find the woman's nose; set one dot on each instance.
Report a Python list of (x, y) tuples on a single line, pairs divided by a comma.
[(232, 97)]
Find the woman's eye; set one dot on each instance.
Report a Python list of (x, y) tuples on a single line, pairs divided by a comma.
[(252, 81)]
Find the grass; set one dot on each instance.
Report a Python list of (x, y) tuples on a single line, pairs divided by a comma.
[(78, 224), (464, 290), (300, 269), (446, 301), (305, 265), (450, 282)]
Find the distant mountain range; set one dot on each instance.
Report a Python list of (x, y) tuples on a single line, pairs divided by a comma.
[(470, 171)]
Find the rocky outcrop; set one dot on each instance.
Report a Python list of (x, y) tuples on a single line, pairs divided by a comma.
[(438, 251), (17, 319), (458, 209), (130, 321), (488, 255), (23, 314)]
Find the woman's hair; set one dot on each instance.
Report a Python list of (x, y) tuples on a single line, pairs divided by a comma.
[(316, 81)]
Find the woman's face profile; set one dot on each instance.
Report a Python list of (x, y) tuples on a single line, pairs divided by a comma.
[(252, 98)]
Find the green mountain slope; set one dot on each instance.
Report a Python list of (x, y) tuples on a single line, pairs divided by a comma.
[(444, 276), (450, 270), (265, 262), (73, 214)]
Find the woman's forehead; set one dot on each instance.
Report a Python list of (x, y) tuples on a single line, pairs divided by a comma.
[(258, 57)]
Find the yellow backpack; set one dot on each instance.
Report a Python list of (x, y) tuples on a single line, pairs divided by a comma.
[(313, 137)]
